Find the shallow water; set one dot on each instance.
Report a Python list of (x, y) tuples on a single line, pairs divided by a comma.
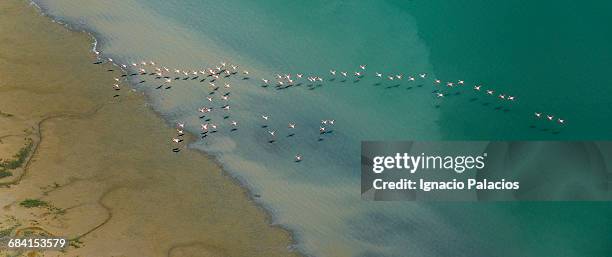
[(319, 198)]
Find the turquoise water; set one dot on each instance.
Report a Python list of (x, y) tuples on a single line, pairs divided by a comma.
[(539, 52)]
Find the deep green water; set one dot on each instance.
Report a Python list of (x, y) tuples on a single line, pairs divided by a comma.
[(554, 55)]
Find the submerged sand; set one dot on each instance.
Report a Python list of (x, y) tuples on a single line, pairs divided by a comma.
[(103, 165)]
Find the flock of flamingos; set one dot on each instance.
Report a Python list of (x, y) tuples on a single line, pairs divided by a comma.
[(218, 79)]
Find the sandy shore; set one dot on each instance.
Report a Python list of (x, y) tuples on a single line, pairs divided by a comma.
[(100, 168)]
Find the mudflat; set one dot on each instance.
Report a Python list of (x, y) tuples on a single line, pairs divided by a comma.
[(84, 161)]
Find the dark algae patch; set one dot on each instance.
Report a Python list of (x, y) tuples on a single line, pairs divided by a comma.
[(18, 159), (33, 203)]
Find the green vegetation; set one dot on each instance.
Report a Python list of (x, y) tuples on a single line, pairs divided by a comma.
[(20, 157), (4, 114), (4, 174), (6, 232), (76, 243), (31, 203)]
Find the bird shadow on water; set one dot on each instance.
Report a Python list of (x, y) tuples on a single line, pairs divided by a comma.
[(545, 129)]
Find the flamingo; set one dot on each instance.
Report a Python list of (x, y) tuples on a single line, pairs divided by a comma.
[(477, 88), (265, 117), (363, 67), (490, 92), (272, 132), (298, 158), (333, 72), (291, 125), (234, 123)]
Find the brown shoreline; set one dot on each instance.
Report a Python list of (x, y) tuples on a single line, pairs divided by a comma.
[(109, 177)]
